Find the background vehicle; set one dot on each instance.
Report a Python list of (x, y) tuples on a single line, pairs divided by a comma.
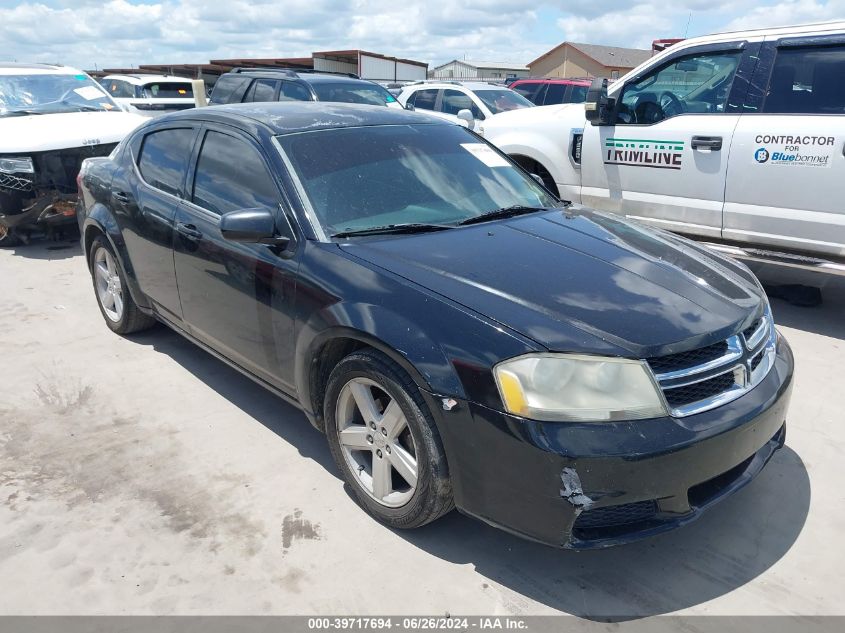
[(390, 288), (446, 99), (244, 85), (150, 95), (552, 91), (736, 139), (51, 118)]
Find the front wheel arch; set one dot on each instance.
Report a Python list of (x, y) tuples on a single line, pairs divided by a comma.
[(535, 167)]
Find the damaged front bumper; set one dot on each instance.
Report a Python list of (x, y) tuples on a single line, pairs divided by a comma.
[(583, 486)]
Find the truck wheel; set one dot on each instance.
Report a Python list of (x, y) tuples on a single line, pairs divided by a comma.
[(385, 443), (116, 304)]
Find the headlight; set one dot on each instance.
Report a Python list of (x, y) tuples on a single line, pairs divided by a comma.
[(578, 388), (21, 165)]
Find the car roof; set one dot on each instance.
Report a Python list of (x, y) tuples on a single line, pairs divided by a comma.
[(22, 68), (287, 117), (553, 80), (146, 79), (292, 73), (469, 85)]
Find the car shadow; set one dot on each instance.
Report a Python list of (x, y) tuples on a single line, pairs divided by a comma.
[(736, 541), (278, 416), (824, 319), (733, 543), (50, 249)]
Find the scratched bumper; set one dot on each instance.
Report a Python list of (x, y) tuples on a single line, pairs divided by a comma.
[(585, 486)]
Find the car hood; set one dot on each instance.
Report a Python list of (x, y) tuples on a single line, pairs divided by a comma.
[(566, 111), (579, 280), (44, 132)]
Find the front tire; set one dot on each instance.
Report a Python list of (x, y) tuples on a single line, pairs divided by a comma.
[(118, 308), (385, 443)]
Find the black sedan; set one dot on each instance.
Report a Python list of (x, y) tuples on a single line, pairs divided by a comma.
[(462, 337)]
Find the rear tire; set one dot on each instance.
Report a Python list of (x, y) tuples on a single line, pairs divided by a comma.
[(385, 443), (119, 310), (8, 237)]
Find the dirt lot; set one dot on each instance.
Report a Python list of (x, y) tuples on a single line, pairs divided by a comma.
[(141, 475)]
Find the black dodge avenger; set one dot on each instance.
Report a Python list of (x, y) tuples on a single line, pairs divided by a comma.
[(463, 338)]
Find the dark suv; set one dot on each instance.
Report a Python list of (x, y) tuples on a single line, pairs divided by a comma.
[(244, 85)]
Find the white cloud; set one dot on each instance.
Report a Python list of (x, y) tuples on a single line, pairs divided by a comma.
[(123, 33)]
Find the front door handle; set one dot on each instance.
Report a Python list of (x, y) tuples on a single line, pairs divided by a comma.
[(188, 230), (713, 143)]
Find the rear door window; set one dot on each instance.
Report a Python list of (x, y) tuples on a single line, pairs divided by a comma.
[(231, 175), (555, 94), (292, 91), (262, 90), (425, 99), (532, 90), (226, 88), (807, 81), (164, 158)]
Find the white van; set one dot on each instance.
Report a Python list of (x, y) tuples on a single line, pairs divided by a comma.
[(736, 139)]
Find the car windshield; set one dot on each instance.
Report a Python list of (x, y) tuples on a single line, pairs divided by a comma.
[(168, 90), (370, 94), (49, 93), (400, 174), (502, 100)]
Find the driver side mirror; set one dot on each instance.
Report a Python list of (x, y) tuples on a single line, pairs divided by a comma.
[(255, 226), (466, 117), (598, 107)]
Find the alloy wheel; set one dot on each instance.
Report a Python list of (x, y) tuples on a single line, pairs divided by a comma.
[(109, 287), (376, 442)]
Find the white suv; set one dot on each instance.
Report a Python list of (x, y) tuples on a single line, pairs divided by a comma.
[(150, 95), (447, 100)]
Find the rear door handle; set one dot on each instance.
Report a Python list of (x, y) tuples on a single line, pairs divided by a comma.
[(188, 230), (122, 197), (713, 143)]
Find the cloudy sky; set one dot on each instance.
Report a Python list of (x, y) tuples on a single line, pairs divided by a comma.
[(131, 32)]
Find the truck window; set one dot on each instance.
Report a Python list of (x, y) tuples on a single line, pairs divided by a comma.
[(697, 84), (555, 94), (807, 81)]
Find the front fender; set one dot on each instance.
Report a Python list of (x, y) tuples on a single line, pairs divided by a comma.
[(100, 221)]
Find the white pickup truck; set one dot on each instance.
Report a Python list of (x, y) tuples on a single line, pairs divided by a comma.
[(736, 139)]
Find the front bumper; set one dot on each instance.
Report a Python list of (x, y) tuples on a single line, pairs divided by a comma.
[(583, 486)]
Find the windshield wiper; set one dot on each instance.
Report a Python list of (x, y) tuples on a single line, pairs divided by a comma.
[(504, 212), (408, 227)]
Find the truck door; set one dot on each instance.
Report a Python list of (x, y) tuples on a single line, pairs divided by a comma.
[(786, 174), (665, 159)]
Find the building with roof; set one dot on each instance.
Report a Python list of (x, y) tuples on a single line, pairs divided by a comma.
[(366, 65), (466, 69), (573, 59)]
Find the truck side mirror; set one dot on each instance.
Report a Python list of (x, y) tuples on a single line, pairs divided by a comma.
[(598, 107)]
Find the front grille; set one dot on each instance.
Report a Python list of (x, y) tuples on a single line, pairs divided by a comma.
[(610, 516), (691, 358), (700, 379), (682, 396)]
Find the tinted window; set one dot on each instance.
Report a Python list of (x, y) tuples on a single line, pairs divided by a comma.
[(230, 175), (532, 91), (697, 84), (262, 90), (169, 90), (164, 158), (414, 173), (808, 81), (366, 93), (578, 94), (425, 99), (119, 89), (454, 101), (294, 92), (555, 94), (225, 86)]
